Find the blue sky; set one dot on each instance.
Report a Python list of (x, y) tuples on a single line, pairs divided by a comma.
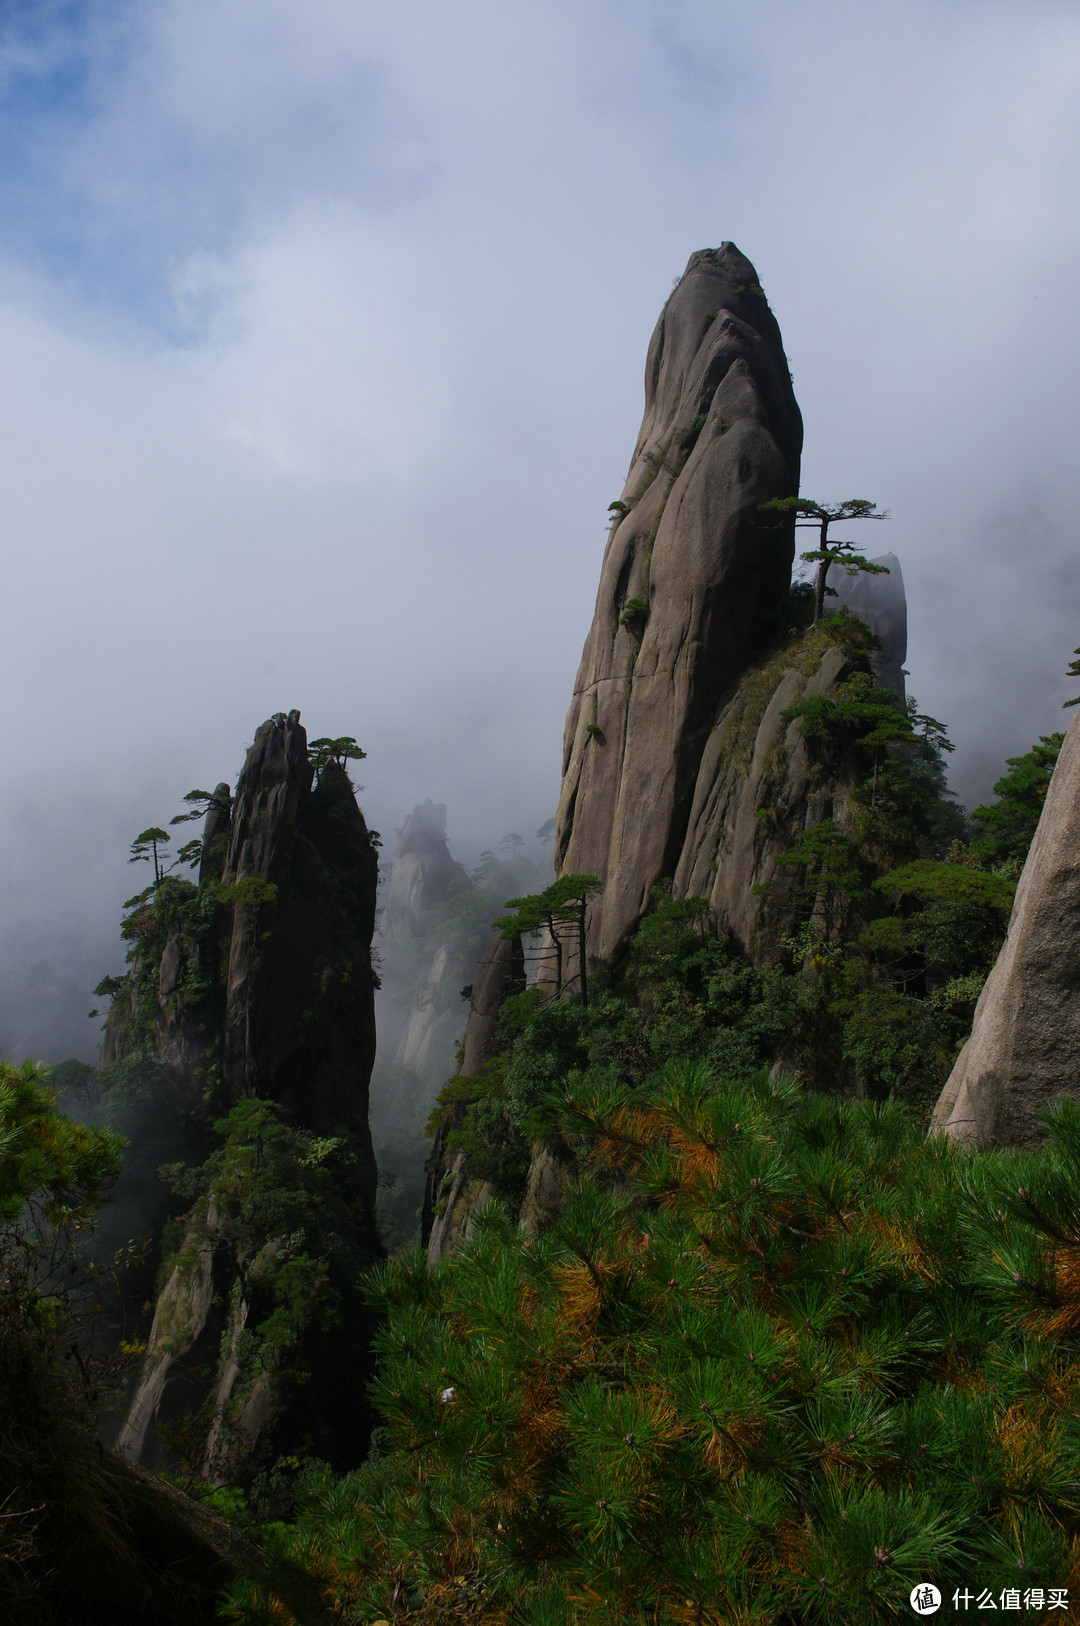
[(322, 331)]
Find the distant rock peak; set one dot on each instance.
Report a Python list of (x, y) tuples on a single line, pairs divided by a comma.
[(881, 602), (423, 873)]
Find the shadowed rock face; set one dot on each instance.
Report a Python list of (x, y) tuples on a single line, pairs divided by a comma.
[(694, 578), (1025, 1039), (300, 1012), (282, 1009)]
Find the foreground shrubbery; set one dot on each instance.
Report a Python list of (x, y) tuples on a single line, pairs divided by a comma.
[(777, 1361)]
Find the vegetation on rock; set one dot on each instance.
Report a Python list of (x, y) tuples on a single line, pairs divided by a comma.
[(819, 516)]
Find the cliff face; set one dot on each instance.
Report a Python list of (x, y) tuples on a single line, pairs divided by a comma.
[(694, 580), (757, 792), (264, 1005), (1026, 1034)]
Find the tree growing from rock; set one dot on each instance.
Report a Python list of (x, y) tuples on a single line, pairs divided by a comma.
[(339, 751), (829, 551), (1073, 670), (563, 904), (148, 848)]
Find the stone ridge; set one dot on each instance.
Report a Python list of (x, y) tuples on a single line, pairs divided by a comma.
[(694, 579)]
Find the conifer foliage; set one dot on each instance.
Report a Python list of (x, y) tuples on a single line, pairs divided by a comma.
[(777, 1361)]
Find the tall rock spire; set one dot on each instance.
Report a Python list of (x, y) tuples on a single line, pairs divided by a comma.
[(694, 578), (264, 1004)]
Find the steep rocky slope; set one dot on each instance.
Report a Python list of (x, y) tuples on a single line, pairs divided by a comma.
[(1026, 1035), (683, 762), (757, 792), (693, 587), (255, 994)]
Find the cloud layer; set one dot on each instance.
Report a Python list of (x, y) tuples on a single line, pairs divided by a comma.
[(321, 340)]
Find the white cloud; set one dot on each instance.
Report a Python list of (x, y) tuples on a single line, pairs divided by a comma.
[(321, 341)]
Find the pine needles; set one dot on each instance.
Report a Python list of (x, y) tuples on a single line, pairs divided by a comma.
[(777, 1361)]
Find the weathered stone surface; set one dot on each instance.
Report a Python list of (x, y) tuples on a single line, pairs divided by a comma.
[(756, 795), (501, 972), (275, 775), (215, 836), (694, 579), (881, 602), (180, 1316), (1025, 1040), (549, 1165)]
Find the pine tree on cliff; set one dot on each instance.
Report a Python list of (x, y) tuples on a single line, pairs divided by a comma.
[(564, 903), (1073, 670), (819, 516)]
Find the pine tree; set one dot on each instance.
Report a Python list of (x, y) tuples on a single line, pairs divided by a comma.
[(819, 517), (778, 1359)]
